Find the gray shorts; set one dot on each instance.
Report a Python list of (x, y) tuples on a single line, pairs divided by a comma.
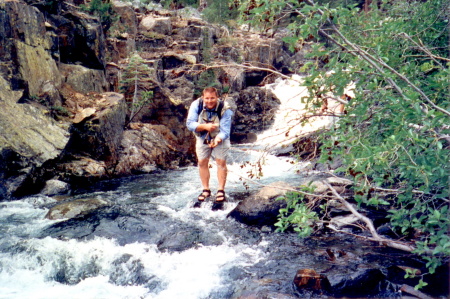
[(220, 152)]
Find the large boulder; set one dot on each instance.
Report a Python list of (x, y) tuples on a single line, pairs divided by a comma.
[(160, 25), (261, 208), (28, 139), (147, 147), (256, 109), (83, 79), (55, 187), (98, 125), (75, 208)]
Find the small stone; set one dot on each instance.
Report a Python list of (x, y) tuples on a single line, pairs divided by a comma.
[(310, 280), (55, 187)]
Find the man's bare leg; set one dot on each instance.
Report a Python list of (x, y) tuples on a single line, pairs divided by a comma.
[(203, 169), (221, 173)]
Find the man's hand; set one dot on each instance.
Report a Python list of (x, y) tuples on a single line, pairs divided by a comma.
[(215, 142), (211, 127), (207, 127)]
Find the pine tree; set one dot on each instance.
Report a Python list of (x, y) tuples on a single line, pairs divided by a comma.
[(136, 81)]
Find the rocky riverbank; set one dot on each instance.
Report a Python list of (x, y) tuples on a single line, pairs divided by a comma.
[(63, 118)]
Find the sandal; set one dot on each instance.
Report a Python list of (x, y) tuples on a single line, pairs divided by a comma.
[(220, 196), (204, 195)]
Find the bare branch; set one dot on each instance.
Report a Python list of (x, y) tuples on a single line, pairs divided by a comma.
[(252, 67), (423, 49), (375, 236)]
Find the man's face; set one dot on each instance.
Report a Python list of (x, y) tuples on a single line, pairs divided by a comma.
[(210, 99)]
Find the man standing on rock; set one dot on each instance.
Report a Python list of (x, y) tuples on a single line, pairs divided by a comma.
[(210, 120)]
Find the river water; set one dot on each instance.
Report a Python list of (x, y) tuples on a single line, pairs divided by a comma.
[(150, 242)]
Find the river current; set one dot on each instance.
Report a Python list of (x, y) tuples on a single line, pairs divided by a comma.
[(150, 242)]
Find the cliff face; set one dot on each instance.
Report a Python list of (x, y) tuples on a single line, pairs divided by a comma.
[(61, 116), (38, 53)]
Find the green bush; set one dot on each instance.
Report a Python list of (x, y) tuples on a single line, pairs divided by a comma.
[(102, 9), (220, 12), (393, 138)]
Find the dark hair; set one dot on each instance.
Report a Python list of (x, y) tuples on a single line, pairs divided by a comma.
[(210, 90)]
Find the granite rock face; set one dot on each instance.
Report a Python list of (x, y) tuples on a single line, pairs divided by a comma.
[(28, 139)]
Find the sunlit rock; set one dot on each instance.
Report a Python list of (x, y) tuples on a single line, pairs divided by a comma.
[(54, 187), (161, 25), (147, 146), (25, 50), (262, 208), (75, 208)]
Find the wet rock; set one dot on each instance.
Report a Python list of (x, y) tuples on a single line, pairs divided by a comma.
[(40, 201), (55, 187), (310, 280), (75, 208), (177, 240), (262, 208), (361, 282), (127, 270), (256, 109)]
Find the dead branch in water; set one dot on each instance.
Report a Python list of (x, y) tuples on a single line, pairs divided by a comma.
[(375, 236)]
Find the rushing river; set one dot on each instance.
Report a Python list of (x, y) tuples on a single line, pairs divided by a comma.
[(151, 243)]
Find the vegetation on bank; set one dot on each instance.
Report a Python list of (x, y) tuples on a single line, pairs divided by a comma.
[(394, 140)]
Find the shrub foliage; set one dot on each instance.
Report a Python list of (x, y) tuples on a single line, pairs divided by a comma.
[(394, 137)]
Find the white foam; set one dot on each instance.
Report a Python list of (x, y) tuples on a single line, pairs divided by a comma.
[(193, 273)]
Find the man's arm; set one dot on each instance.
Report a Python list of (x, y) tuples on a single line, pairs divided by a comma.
[(225, 125), (192, 118)]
